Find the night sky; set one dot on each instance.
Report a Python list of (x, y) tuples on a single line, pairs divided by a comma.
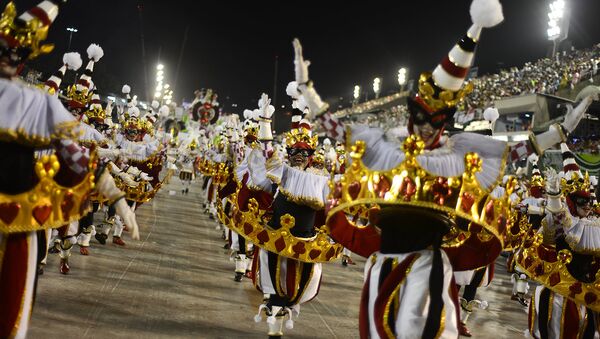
[(231, 47)]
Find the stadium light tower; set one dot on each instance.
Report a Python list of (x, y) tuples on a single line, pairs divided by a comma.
[(356, 93), (377, 87), (71, 30), (402, 76), (558, 23)]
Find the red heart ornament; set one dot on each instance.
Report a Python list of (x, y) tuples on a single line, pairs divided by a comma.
[(467, 201), (354, 189), (9, 212), (42, 213)]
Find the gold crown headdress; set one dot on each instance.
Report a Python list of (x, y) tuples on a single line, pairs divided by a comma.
[(301, 134), (319, 157), (30, 29), (410, 185), (573, 180), (96, 112)]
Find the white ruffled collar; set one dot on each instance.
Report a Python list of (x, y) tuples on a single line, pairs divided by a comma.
[(304, 187), (31, 117)]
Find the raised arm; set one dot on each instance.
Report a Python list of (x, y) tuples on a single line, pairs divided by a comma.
[(557, 133)]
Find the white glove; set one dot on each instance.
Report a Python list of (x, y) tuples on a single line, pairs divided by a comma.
[(300, 65), (573, 116), (133, 171), (553, 190), (128, 218), (264, 121), (127, 179), (145, 177), (309, 94), (552, 181)]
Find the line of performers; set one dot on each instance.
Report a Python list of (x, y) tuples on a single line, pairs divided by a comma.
[(432, 212), (65, 157)]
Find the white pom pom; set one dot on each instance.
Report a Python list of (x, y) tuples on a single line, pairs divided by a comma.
[(533, 158), (292, 90), (155, 104), (491, 114), (164, 111), (134, 111), (483, 305), (247, 114), (72, 60), (255, 114), (257, 318), (326, 141), (95, 52), (486, 13), (289, 324), (126, 89)]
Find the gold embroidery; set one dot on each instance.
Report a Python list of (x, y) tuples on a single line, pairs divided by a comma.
[(411, 185), (44, 206), (65, 130)]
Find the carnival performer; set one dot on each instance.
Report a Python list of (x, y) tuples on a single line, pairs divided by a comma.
[(71, 61), (260, 191), (185, 162), (31, 120), (407, 264), (532, 207), (300, 195), (569, 249)]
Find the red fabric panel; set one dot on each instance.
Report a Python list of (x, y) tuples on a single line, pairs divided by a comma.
[(362, 241), (12, 282)]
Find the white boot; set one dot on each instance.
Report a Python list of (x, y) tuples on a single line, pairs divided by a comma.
[(275, 322), (240, 267)]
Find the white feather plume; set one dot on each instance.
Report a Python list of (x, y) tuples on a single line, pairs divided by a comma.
[(292, 89), (95, 52), (133, 111), (155, 104), (486, 13), (72, 60), (164, 111), (126, 89), (491, 114)]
